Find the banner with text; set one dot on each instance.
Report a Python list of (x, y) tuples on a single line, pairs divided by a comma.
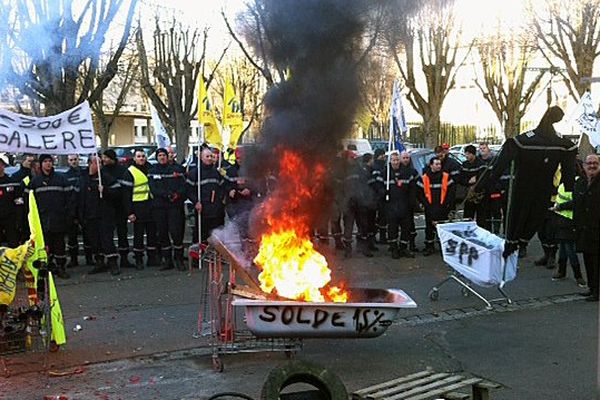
[(476, 253), (70, 132)]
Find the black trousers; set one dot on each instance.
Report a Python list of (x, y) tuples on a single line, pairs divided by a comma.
[(169, 225), (398, 222), (8, 231), (208, 225), (123, 241), (354, 214), (100, 233), (73, 241), (546, 232), (592, 265), (430, 230), (476, 212), (140, 228), (55, 241)]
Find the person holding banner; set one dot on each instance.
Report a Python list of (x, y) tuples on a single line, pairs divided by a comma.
[(167, 185), (56, 203), (99, 201), (8, 187), (437, 192)]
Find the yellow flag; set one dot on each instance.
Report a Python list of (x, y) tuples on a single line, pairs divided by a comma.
[(11, 261), (206, 117), (236, 133), (37, 237), (232, 112)]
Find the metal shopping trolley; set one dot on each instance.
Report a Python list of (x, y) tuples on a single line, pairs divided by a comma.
[(25, 324), (475, 255)]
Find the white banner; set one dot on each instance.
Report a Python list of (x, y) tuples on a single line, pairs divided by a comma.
[(476, 253), (70, 132), (588, 120), (162, 138)]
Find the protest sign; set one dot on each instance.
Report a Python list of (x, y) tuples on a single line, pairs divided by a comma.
[(588, 120), (476, 253), (70, 132)]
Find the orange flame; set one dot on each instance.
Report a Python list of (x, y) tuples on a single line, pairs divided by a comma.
[(290, 264)]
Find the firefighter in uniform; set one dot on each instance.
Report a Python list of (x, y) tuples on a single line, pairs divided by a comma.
[(98, 207), (400, 203), (471, 170), (119, 172), (210, 206), (8, 188), (25, 172), (73, 175), (536, 155), (56, 204), (241, 197), (380, 165), (140, 211), (437, 191), (167, 185)]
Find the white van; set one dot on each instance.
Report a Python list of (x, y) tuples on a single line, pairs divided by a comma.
[(362, 145)]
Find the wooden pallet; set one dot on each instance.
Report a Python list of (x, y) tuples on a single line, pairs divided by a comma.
[(428, 385)]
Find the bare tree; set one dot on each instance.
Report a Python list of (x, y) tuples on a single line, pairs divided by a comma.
[(433, 35), (108, 105), (56, 42), (568, 32), (377, 82), (169, 79), (504, 60)]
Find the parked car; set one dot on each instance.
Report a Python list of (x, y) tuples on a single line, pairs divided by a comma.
[(125, 153), (362, 145)]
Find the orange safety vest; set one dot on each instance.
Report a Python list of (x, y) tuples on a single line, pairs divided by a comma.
[(427, 187)]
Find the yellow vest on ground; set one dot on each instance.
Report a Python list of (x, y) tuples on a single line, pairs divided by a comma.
[(141, 188)]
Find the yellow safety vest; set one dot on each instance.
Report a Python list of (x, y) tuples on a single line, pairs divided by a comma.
[(563, 197), (141, 189)]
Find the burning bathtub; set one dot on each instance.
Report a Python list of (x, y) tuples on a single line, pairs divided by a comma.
[(369, 314)]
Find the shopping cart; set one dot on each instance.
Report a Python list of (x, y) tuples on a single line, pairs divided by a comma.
[(475, 256), (223, 278), (25, 324)]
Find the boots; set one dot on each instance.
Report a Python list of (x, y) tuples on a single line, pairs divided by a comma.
[(395, 251), (542, 261), (429, 249), (339, 245), (139, 262), (347, 249), (382, 236), (561, 271), (551, 264), (366, 250), (578, 278), (167, 263), (412, 246), (404, 252), (111, 264), (371, 243), (124, 261), (99, 265), (153, 260), (179, 264)]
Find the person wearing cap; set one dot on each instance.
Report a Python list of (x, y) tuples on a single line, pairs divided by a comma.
[(210, 207), (167, 185), (139, 210), (471, 170), (56, 202), (119, 172), (379, 164), (8, 188), (23, 176), (536, 154)]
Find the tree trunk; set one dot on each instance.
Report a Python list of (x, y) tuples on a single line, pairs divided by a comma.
[(512, 125), (431, 129), (182, 135)]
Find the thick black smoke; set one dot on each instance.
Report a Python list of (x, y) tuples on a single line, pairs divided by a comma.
[(319, 43)]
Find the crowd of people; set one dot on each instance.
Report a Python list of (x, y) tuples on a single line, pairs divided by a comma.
[(377, 193)]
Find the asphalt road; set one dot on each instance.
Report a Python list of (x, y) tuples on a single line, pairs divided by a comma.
[(140, 342)]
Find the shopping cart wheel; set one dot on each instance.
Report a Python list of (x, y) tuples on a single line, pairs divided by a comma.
[(434, 294), (217, 364)]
